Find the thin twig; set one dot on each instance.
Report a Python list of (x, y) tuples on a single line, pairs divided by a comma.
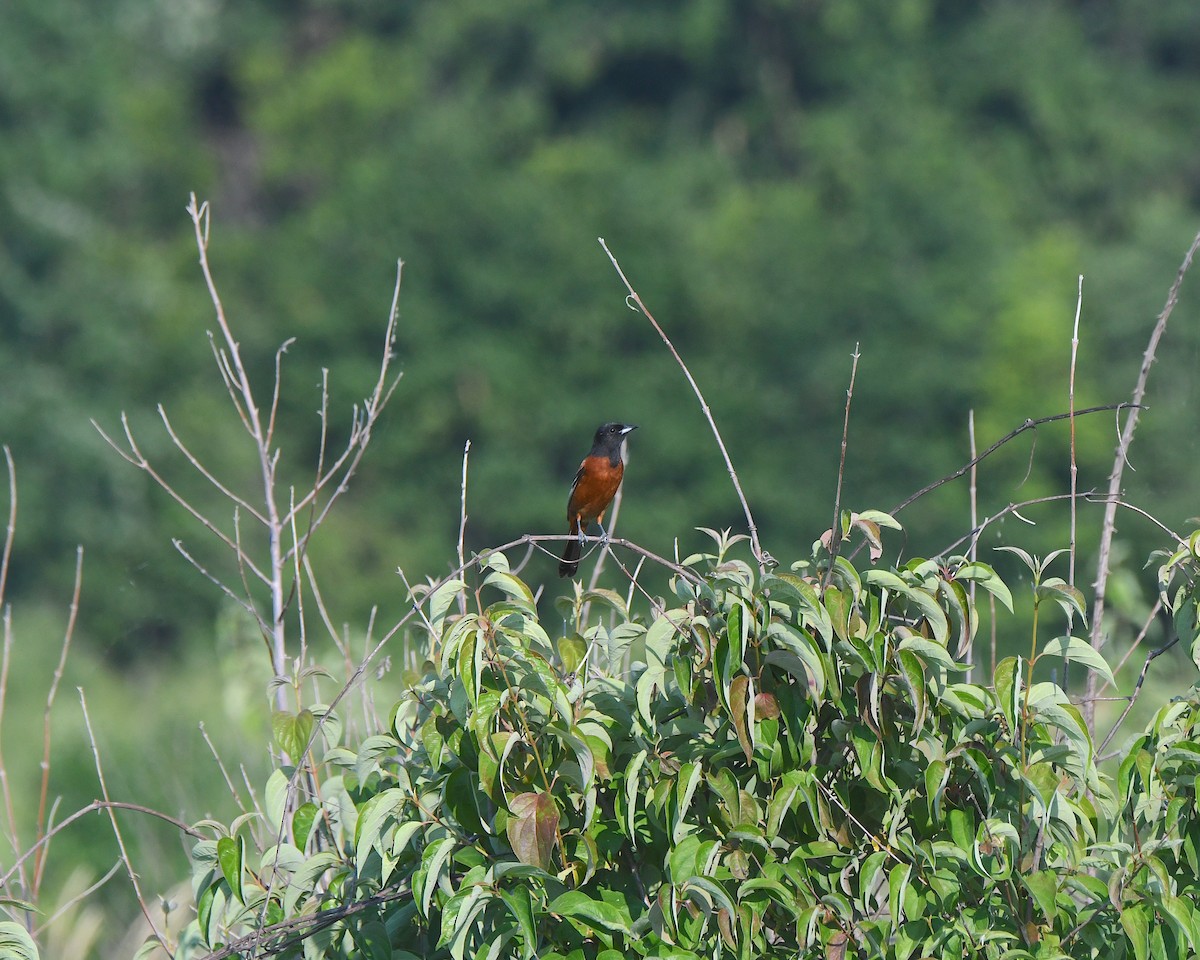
[(1137, 689), (462, 524), (39, 865), (241, 601), (322, 610), (973, 554), (1137, 642), (135, 457), (112, 817), (94, 807), (212, 748), (835, 532), (203, 470), (11, 530), (243, 398), (1012, 508), (6, 659), (763, 559), (1132, 508), (14, 837), (1011, 435), (1114, 481), (362, 424), (283, 347), (1071, 548), (79, 897)]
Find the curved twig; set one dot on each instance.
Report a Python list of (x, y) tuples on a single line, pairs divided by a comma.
[(760, 556)]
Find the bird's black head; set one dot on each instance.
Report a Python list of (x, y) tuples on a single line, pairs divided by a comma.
[(608, 439)]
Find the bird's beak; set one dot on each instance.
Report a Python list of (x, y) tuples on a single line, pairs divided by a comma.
[(628, 428)]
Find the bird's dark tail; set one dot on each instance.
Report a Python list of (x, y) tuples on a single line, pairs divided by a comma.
[(570, 558)]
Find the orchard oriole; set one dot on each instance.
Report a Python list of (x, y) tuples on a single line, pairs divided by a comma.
[(593, 490)]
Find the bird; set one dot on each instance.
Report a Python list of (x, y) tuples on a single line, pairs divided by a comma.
[(595, 485)]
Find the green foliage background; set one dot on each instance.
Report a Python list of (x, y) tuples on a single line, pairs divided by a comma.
[(780, 180)]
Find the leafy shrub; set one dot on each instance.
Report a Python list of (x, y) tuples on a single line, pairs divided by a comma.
[(766, 766)]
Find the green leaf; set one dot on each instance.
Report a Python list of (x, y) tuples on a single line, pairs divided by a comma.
[(711, 892), (1007, 682), (15, 942), (439, 603), (932, 652), (459, 915), (1135, 919), (936, 775), (1080, 651), (432, 861), (303, 880), (513, 588), (571, 651), (812, 612), (802, 647), (1033, 565), (914, 678), (579, 906), (1177, 909), (149, 949), (731, 649), (987, 578), (371, 818), (685, 788), (372, 941), (1066, 596), (573, 737), (632, 792), (897, 884), (520, 905), (231, 852), (1043, 886), (292, 732)]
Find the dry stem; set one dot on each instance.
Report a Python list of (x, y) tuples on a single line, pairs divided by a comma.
[(764, 559), (1119, 460)]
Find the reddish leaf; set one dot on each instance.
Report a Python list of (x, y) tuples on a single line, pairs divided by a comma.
[(533, 827)]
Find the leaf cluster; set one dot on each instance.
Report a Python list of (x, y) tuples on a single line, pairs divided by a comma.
[(772, 764)]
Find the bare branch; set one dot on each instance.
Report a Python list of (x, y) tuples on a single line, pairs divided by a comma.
[(212, 748), (835, 532), (1137, 689), (1119, 460), (93, 807), (462, 522), (79, 897), (11, 530), (133, 878), (40, 863), (136, 458), (203, 471), (6, 659), (973, 494), (278, 380), (227, 377), (763, 559), (1011, 435), (244, 603), (362, 423), (1071, 550)]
